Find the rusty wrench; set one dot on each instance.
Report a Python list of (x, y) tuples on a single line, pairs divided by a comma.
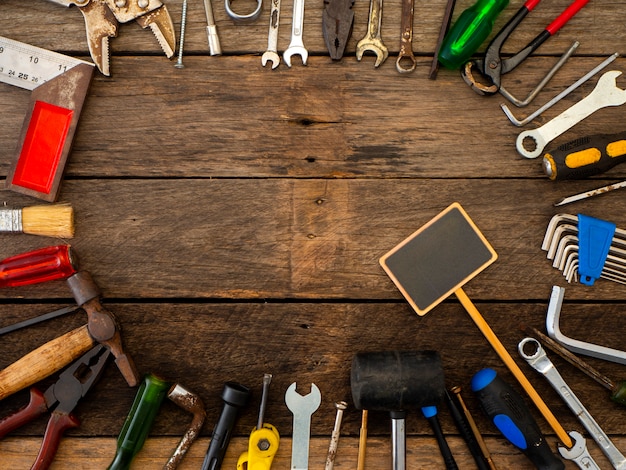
[(372, 41), (406, 60), (296, 46), (271, 53)]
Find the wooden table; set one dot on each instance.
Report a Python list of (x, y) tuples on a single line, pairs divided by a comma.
[(234, 215)]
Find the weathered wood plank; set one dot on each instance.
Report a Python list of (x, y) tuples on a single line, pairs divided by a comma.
[(54, 27), (422, 453), (313, 239), (203, 345), (323, 120)]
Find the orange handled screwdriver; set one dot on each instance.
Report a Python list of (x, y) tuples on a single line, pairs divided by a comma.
[(585, 157), (44, 264)]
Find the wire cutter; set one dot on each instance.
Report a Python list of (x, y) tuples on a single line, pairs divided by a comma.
[(60, 399), (103, 16), (492, 67)]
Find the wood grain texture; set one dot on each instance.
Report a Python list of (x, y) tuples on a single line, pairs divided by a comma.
[(233, 217)]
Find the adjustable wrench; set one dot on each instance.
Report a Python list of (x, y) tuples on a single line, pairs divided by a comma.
[(541, 363), (372, 41), (271, 53), (296, 46), (302, 408), (606, 93)]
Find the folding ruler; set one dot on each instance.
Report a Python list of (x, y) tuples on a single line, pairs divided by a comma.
[(59, 86)]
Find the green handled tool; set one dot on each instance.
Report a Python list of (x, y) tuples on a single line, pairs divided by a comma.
[(469, 32), (139, 420), (586, 156)]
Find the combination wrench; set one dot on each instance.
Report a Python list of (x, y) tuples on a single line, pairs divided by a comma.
[(271, 54), (606, 93), (296, 46), (372, 41), (542, 364), (302, 408), (406, 60)]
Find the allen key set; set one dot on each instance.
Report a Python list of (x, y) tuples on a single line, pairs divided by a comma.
[(585, 248)]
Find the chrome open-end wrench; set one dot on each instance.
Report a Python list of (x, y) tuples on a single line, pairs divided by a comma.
[(606, 93), (579, 454), (271, 54), (296, 46), (302, 408), (372, 41), (539, 361)]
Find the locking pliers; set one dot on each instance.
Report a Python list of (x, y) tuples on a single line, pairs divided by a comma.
[(103, 16)]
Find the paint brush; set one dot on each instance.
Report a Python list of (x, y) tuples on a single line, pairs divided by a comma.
[(55, 220)]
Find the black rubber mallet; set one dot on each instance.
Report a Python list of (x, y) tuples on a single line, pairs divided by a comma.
[(397, 382)]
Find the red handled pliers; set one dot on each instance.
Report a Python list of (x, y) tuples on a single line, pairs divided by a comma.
[(492, 67), (60, 399)]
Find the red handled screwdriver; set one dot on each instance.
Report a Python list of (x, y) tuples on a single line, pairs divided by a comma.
[(32, 267)]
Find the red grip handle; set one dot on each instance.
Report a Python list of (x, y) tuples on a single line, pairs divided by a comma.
[(36, 407), (45, 264), (564, 17), (57, 425)]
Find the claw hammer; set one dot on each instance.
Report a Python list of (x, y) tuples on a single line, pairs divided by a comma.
[(102, 327)]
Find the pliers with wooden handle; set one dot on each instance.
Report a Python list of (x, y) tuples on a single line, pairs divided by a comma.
[(103, 16), (60, 399)]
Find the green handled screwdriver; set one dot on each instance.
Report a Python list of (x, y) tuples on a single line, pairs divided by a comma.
[(469, 32), (586, 156), (139, 420)]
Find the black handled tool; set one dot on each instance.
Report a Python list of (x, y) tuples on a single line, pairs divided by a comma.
[(430, 413), (586, 156), (235, 396), (509, 413)]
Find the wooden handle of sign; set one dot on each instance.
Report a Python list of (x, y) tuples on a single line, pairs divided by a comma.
[(44, 361), (513, 367)]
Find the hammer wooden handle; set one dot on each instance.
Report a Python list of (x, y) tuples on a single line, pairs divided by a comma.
[(44, 361)]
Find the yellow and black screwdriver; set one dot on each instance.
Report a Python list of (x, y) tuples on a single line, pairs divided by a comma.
[(586, 156)]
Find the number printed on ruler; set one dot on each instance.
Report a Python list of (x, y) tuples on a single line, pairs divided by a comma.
[(29, 66)]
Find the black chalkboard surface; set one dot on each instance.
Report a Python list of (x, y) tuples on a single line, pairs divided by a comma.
[(438, 259)]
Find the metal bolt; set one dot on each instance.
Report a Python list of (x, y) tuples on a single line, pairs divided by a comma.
[(263, 444), (183, 21), (334, 438)]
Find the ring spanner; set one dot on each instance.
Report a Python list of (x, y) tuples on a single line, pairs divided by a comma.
[(606, 93), (542, 364)]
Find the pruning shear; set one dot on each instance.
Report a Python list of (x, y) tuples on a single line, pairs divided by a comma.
[(60, 399), (264, 439), (102, 18), (492, 67)]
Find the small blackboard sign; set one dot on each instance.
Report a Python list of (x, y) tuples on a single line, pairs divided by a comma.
[(438, 259)]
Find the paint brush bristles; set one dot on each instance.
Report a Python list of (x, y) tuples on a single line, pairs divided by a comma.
[(56, 220)]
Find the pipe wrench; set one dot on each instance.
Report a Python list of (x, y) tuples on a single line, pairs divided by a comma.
[(103, 16)]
